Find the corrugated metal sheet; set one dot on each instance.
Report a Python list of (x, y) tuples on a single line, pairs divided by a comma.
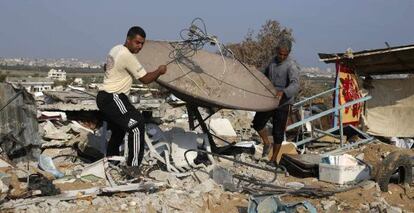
[(393, 60), (18, 120)]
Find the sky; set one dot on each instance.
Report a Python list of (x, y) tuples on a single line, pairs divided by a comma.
[(89, 29)]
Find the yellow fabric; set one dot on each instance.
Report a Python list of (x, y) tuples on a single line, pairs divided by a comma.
[(121, 67), (390, 112), (349, 91)]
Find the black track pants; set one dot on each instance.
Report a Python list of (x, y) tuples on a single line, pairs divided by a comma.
[(279, 116), (126, 124)]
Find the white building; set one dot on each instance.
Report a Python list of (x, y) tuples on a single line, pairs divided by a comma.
[(59, 74), (78, 81), (32, 85)]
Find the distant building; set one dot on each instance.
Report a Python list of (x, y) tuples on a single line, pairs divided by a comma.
[(59, 74), (78, 81), (32, 85)]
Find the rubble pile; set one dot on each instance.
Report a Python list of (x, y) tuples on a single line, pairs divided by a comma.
[(72, 172)]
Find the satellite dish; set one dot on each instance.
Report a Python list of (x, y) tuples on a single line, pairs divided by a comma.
[(208, 79)]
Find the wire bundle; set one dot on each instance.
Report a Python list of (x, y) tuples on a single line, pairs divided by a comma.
[(193, 39)]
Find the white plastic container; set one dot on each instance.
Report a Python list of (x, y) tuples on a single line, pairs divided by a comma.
[(343, 174)]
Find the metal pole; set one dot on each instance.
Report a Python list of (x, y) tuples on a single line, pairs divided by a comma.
[(341, 127)]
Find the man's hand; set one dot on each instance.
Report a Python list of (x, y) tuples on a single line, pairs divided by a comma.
[(153, 76), (162, 69), (279, 94)]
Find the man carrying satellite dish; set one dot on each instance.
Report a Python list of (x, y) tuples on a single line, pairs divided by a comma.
[(283, 72), (125, 121)]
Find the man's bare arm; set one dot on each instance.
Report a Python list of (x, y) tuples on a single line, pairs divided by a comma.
[(152, 76)]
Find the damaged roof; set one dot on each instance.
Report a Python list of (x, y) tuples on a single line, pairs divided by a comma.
[(390, 60), (142, 105), (68, 96)]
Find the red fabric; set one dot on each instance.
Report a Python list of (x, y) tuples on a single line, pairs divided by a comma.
[(349, 91)]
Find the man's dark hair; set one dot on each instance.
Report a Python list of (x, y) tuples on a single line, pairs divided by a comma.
[(136, 30), (285, 44)]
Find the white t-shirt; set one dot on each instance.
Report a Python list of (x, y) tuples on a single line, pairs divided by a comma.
[(121, 66)]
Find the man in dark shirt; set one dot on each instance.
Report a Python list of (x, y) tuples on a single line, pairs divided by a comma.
[(283, 72)]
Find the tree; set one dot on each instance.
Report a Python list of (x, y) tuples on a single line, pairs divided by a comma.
[(258, 50)]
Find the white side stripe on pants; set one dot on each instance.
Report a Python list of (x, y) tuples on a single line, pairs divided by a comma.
[(119, 103), (126, 149), (136, 146)]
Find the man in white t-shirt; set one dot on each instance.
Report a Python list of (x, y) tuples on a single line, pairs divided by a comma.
[(125, 121)]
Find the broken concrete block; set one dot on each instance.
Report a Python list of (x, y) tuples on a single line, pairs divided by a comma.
[(286, 148), (206, 186), (295, 185), (223, 177), (393, 209), (329, 205), (52, 132), (124, 207), (164, 177), (222, 127)]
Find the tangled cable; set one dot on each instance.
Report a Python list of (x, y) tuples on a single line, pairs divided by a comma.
[(193, 39)]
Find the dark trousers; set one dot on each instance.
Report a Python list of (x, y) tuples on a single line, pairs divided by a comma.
[(126, 124), (279, 117)]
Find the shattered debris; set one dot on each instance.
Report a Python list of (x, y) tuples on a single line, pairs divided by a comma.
[(73, 172)]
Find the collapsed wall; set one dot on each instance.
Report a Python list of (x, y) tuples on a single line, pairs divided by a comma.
[(18, 124)]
